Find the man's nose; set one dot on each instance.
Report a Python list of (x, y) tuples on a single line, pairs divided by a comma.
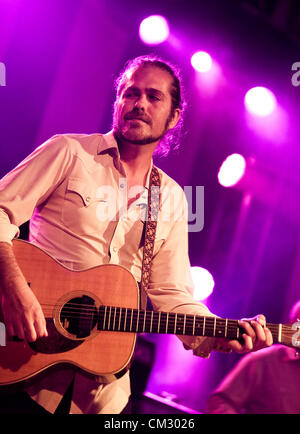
[(141, 102)]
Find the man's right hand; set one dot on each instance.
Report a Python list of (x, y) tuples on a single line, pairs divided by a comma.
[(22, 313)]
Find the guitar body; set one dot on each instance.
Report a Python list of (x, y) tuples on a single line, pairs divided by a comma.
[(58, 290), (93, 317)]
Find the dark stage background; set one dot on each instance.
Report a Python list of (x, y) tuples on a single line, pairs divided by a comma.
[(61, 58)]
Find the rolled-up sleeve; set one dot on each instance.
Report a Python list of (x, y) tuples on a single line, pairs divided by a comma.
[(29, 184), (8, 231)]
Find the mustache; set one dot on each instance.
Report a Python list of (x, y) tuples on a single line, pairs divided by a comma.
[(139, 116)]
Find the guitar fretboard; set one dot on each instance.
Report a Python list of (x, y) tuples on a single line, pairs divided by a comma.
[(145, 321)]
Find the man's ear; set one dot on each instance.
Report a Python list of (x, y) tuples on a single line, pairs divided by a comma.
[(174, 120)]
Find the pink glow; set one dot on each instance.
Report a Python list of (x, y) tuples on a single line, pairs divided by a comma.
[(201, 61), (260, 101), (203, 281), (154, 30), (232, 170)]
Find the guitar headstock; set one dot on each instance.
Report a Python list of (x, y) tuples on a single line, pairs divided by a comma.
[(290, 335)]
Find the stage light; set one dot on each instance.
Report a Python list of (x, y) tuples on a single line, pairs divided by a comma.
[(154, 30), (201, 61), (203, 283), (232, 170), (260, 101)]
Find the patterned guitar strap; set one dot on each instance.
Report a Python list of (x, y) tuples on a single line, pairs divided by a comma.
[(150, 229)]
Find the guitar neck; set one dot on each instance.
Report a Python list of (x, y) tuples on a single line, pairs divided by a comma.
[(143, 321)]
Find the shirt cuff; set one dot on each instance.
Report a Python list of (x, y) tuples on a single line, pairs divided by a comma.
[(203, 346), (8, 231)]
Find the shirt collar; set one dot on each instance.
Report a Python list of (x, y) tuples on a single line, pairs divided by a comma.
[(108, 144)]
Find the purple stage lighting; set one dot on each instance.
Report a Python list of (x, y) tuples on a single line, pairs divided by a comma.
[(260, 101), (203, 283), (201, 61), (232, 170), (154, 30)]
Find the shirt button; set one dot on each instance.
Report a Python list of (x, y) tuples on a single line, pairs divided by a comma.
[(88, 198), (115, 249)]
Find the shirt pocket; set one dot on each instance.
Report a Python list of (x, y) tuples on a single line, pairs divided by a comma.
[(79, 210), (161, 235)]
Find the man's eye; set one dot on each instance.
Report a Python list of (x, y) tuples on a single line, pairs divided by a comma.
[(128, 94), (154, 98)]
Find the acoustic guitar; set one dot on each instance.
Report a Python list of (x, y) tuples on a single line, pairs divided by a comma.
[(93, 317)]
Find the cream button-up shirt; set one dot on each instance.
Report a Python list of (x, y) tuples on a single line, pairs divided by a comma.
[(73, 190)]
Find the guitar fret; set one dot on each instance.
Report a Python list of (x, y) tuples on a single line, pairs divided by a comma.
[(109, 316), (144, 321), (279, 332), (104, 320), (151, 321), (214, 332), (131, 320), (114, 321), (137, 321), (184, 323), (226, 323), (125, 319), (120, 316), (167, 320), (158, 325), (175, 323), (203, 332), (194, 322)]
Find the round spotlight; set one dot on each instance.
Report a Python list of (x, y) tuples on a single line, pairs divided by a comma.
[(232, 170), (201, 61), (203, 283), (260, 101), (154, 30)]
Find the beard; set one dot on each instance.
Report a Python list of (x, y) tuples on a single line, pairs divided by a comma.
[(136, 138), (143, 140)]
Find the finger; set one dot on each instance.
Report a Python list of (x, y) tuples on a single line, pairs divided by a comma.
[(248, 329), (244, 347), (269, 337), (259, 330), (19, 331), (261, 319), (30, 332), (264, 335), (10, 330), (40, 328)]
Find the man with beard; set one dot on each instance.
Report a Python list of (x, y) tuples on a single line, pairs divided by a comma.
[(72, 190)]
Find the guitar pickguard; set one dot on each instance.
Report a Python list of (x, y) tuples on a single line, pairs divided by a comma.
[(55, 342)]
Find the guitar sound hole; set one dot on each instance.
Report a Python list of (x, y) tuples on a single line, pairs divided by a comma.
[(79, 316)]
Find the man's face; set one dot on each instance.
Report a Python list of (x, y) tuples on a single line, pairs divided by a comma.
[(142, 112)]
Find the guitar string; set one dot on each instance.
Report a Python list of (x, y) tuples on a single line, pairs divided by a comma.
[(78, 310), (169, 323), (89, 311)]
